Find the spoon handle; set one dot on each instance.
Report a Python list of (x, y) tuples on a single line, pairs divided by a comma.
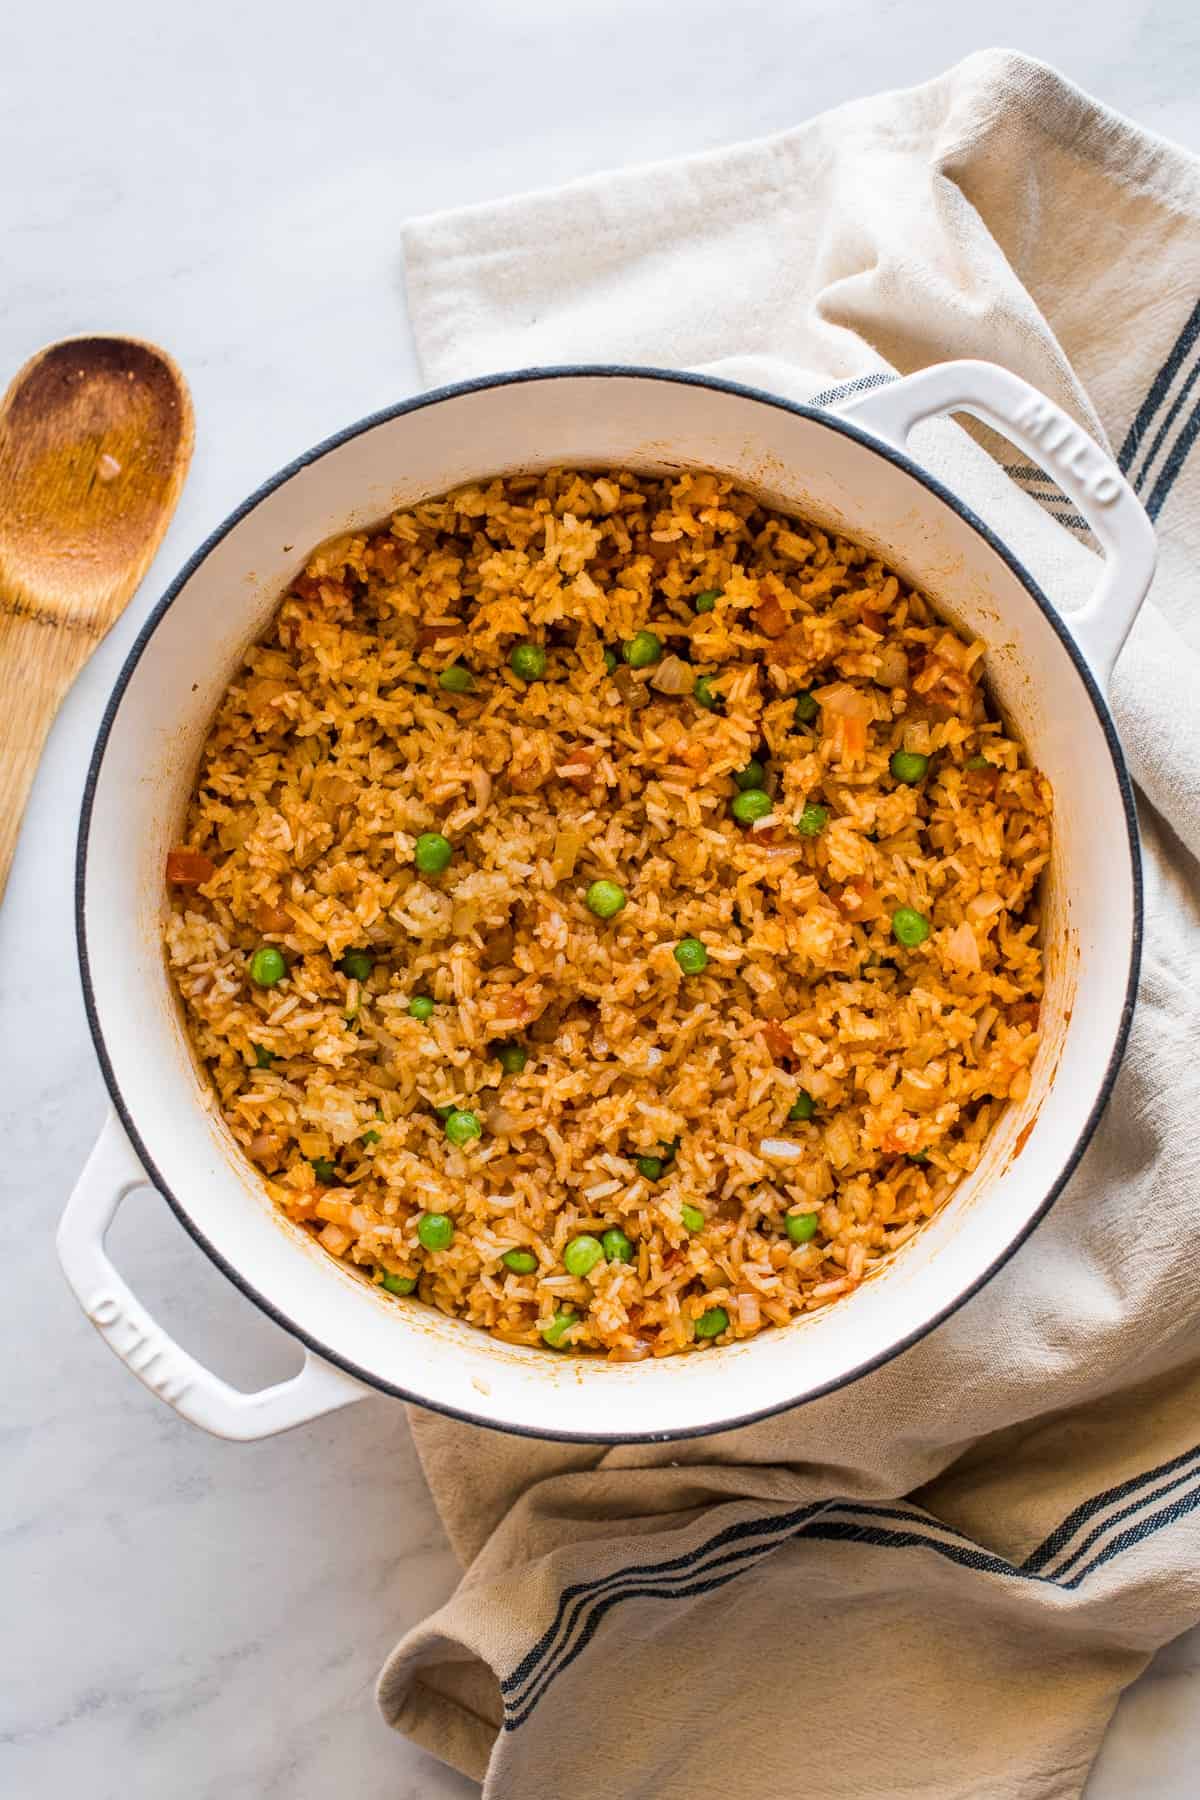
[(40, 658)]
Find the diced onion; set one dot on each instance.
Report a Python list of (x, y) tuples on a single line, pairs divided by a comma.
[(845, 702), (568, 842), (783, 1150), (962, 948), (748, 1310), (983, 1025), (893, 667), (673, 676)]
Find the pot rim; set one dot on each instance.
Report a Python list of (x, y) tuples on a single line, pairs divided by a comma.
[(605, 371)]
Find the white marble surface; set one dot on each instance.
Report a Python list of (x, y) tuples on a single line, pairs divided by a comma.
[(188, 1618)]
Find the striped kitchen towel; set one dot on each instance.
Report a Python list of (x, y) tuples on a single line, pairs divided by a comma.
[(937, 1581)]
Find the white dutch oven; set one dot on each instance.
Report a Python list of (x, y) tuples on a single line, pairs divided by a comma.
[(847, 470)]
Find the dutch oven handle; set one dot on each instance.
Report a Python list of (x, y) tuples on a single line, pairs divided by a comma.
[(1084, 472), (111, 1174)]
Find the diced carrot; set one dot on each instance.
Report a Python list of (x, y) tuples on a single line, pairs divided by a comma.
[(692, 756), (852, 738), (770, 617), (776, 1039), (337, 1212), (272, 918), (189, 868)]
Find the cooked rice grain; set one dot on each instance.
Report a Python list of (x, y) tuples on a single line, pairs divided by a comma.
[(336, 747)]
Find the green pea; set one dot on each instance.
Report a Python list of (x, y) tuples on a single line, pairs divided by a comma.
[(918, 1156), (707, 601), (356, 965), (812, 821), (610, 660), (650, 1166), (443, 1112), (752, 776), (803, 1106), (432, 853), (456, 679), (262, 1058), (978, 762), (751, 804), (420, 1007), (801, 1227), (617, 1247), (582, 1254), (512, 1057), (643, 648), (691, 956), (267, 966), (369, 1137), (712, 1323), (324, 1171), (605, 899), (398, 1284), (806, 707), (461, 1127), (435, 1231), (909, 927), (693, 1218), (521, 1262), (528, 661), (909, 766), (702, 693), (554, 1333)]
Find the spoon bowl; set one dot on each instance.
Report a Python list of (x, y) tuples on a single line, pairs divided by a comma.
[(96, 437)]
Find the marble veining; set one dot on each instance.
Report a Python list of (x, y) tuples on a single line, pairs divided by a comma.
[(187, 1618)]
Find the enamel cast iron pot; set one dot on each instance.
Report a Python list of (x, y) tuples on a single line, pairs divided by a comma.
[(846, 469)]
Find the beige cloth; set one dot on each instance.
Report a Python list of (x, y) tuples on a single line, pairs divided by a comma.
[(937, 1581)]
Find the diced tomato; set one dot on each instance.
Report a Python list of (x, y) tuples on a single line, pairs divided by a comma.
[(272, 918), (430, 635), (383, 554), (189, 868), (579, 767), (310, 587), (777, 1040), (859, 901), (982, 782)]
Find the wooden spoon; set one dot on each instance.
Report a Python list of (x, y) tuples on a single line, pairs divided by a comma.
[(95, 441)]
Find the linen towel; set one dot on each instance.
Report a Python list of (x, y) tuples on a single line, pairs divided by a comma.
[(936, 1581)]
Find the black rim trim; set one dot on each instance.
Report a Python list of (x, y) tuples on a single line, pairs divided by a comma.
[(606, 371)]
